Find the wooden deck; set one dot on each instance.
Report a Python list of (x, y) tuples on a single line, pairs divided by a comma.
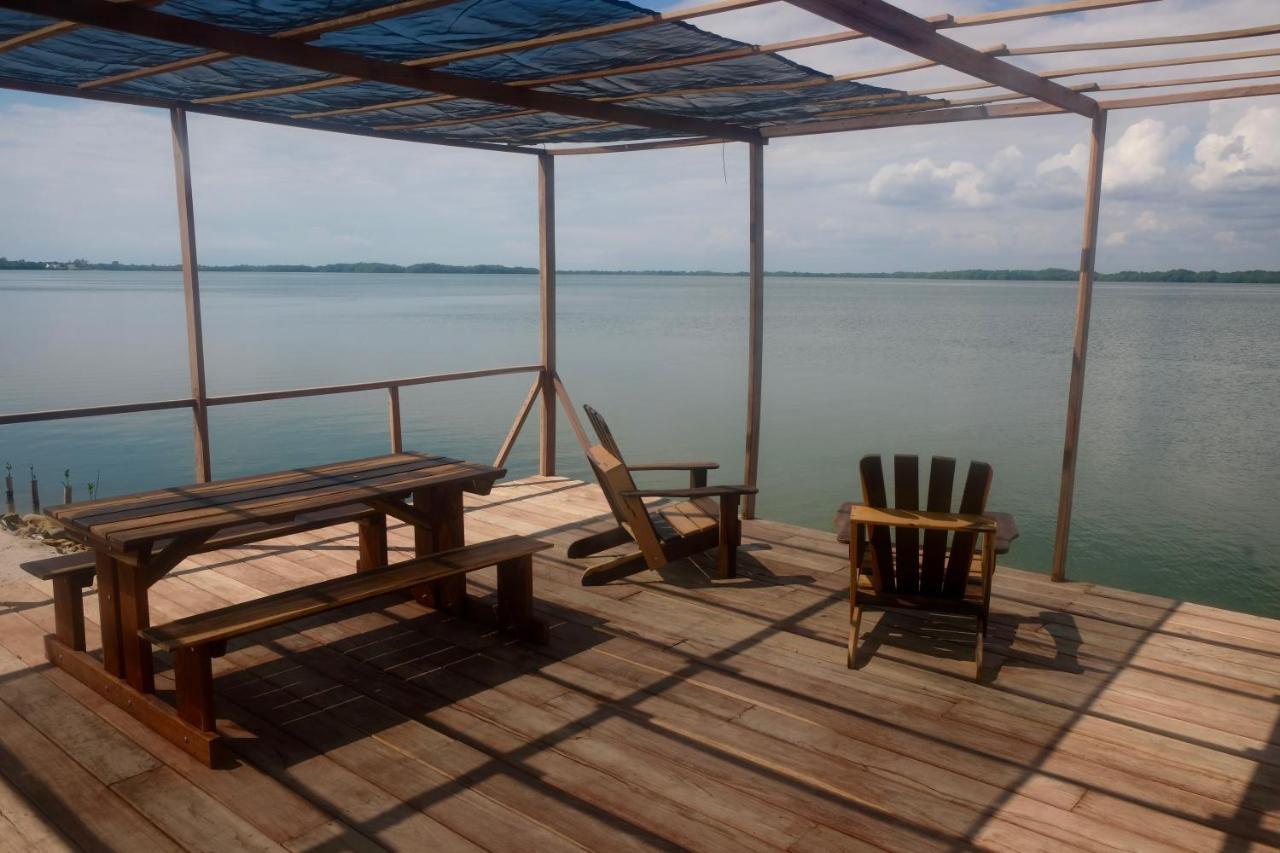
[(668, 712)]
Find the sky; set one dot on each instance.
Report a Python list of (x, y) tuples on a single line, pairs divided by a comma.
[(1185, 186)]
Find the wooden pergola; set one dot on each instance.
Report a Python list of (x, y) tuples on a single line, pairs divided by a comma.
[(524, 115)]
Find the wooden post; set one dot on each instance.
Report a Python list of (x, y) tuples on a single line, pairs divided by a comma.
[(191, 292), (547, 291), (755, 322), (393, 418), (1084, 302)]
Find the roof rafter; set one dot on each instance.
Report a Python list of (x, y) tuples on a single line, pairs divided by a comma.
[(410, 6), (167, 104), (652, 19), (369, 16), (1033, 108), (140, 22), (893, 26), (56, 29)]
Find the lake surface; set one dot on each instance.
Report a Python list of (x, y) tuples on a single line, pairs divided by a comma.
[(1179, 458)]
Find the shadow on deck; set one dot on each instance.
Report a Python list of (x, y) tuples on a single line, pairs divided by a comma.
[(669, 711)]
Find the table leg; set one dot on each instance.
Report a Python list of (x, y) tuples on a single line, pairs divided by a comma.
[(373, 543), (444, 507), (134, 616), (109, 614)]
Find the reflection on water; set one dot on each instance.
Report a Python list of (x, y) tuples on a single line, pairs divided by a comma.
[(1179, 454)]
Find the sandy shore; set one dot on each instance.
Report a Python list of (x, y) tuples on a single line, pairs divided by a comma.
[(16, 549)]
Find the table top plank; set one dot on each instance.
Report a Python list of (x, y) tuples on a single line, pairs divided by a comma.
[(121, 517), (197, 493), (132, 522)]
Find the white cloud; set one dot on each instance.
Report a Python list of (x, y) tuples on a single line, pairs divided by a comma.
[(1147, 223), (1141, 157), (1245, 158), (958, 184)]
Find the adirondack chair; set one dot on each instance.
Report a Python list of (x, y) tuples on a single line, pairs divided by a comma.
[(706, 518), (901, 572)]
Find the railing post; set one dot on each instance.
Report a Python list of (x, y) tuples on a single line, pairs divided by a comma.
[(393, 418), (1084, 304), (191, 293), (755, 321), (547, 292)]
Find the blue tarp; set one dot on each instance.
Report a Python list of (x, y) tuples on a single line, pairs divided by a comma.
[(87, 54)]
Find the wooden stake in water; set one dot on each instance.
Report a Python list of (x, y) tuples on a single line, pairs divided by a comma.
[(35, 491), (10, 507)]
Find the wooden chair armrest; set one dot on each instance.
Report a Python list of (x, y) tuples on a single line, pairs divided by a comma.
[(700, 492), (921, 520), (674, 466)]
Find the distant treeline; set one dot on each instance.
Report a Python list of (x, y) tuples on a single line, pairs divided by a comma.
[(1047, 274), (362, 266)]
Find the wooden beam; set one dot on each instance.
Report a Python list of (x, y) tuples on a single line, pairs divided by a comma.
[(1163, 63), (393, 419), (94, 411), (575, 423), (1193, 97), (943, 116), (282, 121), (191, 294), (755, 320), (1104, 69), (634, 146), (1153, 41), (517, 424), (893, 26), (547, 312), (55, 29), (958, 112), (308, 31), (1043, 10), (1080, 349), (407, 7), (149, 24), (1187, 81)]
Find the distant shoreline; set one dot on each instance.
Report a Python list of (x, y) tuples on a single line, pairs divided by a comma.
[(1046, 274)]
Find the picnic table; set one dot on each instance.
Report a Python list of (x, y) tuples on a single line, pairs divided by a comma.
[(138, 539)]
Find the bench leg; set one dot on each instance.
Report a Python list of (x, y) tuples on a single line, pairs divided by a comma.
[(193, 672), (515, 599), (68, 612), (730, 536), (373, 543)]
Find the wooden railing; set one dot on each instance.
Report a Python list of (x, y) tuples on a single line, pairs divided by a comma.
[(391, 386)]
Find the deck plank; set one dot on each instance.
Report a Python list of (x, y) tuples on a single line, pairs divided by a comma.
[(668, 710)]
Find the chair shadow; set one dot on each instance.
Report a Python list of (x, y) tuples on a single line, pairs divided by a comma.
[(953, 637)]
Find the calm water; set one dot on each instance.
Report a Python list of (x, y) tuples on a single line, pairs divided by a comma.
[(1179, 460)]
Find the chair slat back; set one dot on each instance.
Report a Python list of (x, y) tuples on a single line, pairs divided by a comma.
[(602, 431), (933, 562), (934, 570), (977, 486), (630, 512)]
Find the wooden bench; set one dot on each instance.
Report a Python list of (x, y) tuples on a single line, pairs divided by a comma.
[(71, 574), (193, 642)]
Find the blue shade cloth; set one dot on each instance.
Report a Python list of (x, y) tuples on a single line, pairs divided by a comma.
[(737, 86)]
